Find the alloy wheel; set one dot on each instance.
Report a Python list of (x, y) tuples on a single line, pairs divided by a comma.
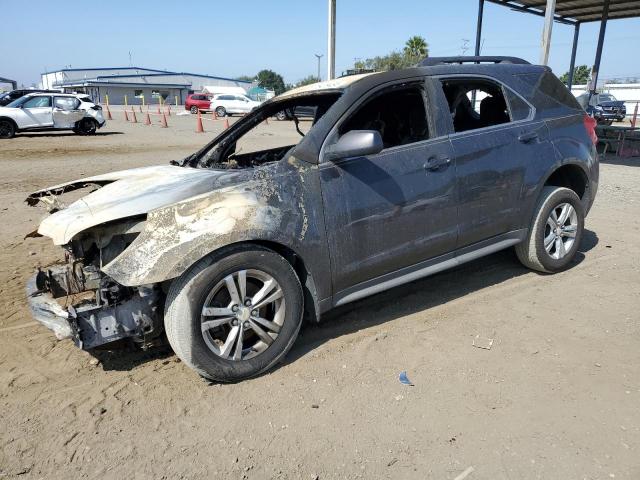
[(243, 314), (560, 231)]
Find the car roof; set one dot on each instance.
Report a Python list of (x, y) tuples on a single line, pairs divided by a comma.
[(495, 70)]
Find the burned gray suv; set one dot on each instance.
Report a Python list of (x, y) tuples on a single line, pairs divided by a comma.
[(398, 175)]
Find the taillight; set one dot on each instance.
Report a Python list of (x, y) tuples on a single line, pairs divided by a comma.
[(590, 126)]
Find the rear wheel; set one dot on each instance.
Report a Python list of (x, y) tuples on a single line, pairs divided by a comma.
[(7, 129), (281, 115), (234, 316), (221, 112), (554, 236), (194, 109), (86, 126)]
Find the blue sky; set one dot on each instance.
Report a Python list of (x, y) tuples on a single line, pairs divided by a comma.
[(240, 38)]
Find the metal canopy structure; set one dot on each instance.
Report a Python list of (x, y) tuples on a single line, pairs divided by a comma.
[(568, 12), (13, 83), (571, 12)]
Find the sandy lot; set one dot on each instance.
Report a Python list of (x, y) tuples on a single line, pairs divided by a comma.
[(556, 397)]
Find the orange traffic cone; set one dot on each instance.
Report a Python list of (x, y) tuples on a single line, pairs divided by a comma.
[(226, 123), (266, 120), (133, 118), (199, 128), (147, 119), (126, 115), (168, 110), (163, 121), (109, 117), (215, 115)]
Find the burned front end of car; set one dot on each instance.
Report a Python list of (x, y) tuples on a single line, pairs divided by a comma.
[(77, 300)]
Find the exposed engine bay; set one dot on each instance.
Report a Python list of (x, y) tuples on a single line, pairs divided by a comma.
[(97, 309)]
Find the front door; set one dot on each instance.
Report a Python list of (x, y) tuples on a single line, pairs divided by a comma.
[(66, 112), (36, 112), (396, 208)]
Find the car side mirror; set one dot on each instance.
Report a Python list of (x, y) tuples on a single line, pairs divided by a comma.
[(355, 143)]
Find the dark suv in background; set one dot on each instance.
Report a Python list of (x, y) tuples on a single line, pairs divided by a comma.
[(604, 107), (400, 175), (7, 98)]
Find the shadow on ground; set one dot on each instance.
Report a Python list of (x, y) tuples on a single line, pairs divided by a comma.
[(624, 161), (406, 299)]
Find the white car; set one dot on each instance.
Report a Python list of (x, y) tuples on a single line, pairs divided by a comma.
[(227, 104), (51, 111)]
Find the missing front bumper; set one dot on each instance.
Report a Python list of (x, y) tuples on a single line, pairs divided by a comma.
[(90, 325)]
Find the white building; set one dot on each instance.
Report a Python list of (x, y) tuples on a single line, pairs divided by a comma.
[(139, 85)]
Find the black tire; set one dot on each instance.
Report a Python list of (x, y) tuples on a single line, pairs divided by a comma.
[(187, 296), (7, 129), (282, 115), (86, 126), (221, 112), (193, 109), (531, 252)]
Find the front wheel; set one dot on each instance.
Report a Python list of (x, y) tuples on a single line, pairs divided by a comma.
[(86, 126), (555, 233), (233, 316), (281, 115), (221, 111), (194, 109), (7, 129)]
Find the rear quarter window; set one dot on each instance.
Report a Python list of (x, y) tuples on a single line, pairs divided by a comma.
[(548, 93)]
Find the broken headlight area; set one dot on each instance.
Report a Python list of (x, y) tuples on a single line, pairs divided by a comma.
[(77, 300)]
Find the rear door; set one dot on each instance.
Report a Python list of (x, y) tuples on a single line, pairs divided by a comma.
[(497, 143), (66, 112), (394, 209), (36, 112)]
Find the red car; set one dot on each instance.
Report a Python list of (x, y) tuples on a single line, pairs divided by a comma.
[(197, 101)]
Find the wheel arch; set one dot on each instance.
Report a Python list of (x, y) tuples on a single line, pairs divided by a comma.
[(569, 175), (15, 125), (311, 303)]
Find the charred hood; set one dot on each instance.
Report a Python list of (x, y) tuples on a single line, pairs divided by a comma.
[(123, 194)]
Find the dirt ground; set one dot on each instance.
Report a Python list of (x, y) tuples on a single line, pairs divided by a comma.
[(556, 397)]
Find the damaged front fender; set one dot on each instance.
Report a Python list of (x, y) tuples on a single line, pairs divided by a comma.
[(270, 206)]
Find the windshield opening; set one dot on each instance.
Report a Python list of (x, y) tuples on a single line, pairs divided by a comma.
[(266, 135)]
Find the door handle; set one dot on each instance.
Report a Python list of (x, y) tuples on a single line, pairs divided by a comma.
[(527, 137), (436, 162)]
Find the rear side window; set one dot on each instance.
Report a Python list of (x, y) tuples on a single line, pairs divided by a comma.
[(518, 108), (66, 103), (479, 103)]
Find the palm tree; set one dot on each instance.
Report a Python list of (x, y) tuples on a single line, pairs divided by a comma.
[(416, 48)]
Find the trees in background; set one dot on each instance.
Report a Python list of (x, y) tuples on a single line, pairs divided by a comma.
[(415, 49), (271, 80), (580, 76)]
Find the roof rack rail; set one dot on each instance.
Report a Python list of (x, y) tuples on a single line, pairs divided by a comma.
[(431, 61)]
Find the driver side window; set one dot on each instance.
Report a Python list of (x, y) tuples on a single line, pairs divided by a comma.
[(37, 102), (398, 113)]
